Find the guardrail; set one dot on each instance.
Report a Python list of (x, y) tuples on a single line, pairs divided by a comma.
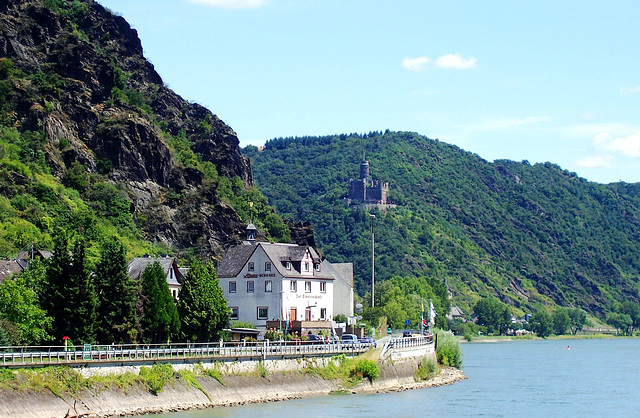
[(400, 343), (32, 356)]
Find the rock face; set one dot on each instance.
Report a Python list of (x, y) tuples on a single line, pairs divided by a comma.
[(103, 105)]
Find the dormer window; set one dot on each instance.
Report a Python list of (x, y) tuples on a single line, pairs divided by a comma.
[(287, 265), (306, 266), (317, 266)]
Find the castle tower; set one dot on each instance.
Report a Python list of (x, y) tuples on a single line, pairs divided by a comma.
[(364, 170)]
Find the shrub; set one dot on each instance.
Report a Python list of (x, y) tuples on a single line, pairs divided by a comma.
[(448, 350), (367, 369), (427, 369), (156, 376)]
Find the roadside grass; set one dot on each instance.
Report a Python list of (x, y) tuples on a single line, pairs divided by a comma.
[(350, 371), (61, 380)]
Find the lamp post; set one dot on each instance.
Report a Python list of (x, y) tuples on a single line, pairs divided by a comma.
[(373, 263)]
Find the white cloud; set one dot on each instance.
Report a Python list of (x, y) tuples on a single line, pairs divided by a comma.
[(630, 90), (595, 162), (456, 62), (231, 4), (628, 146), (590, 130), (416, 64), (506, 123), (449, 61)]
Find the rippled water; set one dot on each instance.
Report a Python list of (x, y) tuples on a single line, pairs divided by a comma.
[(507, 379)]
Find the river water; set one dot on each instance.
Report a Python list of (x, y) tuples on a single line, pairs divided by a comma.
[(557, 378)]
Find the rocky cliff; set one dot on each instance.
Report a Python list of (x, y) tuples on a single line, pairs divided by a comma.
[(79, 78)]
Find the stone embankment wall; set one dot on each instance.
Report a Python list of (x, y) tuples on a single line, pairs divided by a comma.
[(281, 383)]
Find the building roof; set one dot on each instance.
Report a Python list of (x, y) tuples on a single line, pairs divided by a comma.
[(9, 267), (137, 266), (237, 257), (340, 271)]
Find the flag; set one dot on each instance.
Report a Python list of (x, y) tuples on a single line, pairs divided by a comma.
[(432, 313), (424, 323)]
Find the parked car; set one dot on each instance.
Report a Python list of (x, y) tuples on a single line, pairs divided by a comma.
[(407, 333), (349, 339), (368, 340), (316, 339)]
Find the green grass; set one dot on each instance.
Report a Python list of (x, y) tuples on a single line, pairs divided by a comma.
[(427, 370)]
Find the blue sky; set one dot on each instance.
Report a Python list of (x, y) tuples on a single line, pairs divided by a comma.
[(541, 81)]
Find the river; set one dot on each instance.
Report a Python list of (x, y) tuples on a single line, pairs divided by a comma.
[(568, 378)]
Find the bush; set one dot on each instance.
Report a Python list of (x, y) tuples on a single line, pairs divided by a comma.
[(427, 369), (156, 376), (367, 369), (448, 350)]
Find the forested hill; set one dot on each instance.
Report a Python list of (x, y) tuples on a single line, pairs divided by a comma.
[(530, 234)]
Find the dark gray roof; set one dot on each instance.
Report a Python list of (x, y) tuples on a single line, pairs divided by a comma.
[(237, 257), (341, 271), (9, 267), (234, 260), (137, 266)]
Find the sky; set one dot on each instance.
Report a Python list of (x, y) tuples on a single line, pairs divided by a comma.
[(542, 81)]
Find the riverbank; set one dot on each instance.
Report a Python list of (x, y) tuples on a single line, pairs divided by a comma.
[(207, 392)]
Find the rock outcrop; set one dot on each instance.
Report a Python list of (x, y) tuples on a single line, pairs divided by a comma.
[(101, 104)]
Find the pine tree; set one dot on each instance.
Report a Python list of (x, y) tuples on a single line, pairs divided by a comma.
[(82, 297), (56, 282), (117, 296), (202, 307), (159, 319), (70, 298)]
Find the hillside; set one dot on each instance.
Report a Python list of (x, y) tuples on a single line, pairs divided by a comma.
[(92, 140), (530, 234)]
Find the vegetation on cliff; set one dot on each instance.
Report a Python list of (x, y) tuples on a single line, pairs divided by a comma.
[(92, 141), (534, 236)]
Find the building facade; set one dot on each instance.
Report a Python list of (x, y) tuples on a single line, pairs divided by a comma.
[(173, 273), (284, 282)]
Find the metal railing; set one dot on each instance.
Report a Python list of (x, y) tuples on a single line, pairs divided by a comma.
[(400, 343), (56, 355)]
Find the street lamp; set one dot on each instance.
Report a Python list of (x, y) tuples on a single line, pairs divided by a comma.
[(373, 263)]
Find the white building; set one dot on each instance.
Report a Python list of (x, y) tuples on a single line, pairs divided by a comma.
[(264, 281)]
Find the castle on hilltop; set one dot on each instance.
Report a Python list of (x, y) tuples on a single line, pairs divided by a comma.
[(366, 190)]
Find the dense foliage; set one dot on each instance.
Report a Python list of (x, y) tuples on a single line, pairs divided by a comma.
[(160, 319), (202, 307), (531, 235)]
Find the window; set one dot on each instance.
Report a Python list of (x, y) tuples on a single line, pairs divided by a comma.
[(287, 265), (267, 266), (250, 286), (306, 266), (323, 287), (234, 312), (250, 266), (232, 287), (307, 287), (317, 266), (267, 286), (263, 312), (323, 313), (293, 286)]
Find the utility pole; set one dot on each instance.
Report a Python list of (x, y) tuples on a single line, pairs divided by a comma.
[(373, 263)]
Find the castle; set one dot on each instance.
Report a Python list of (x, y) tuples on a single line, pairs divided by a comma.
[(365, 190)]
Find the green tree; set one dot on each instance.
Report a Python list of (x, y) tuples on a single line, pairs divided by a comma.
[(202, 307), (620, 321), (493, 314), (159, 321), (578, 319), (69, 296), (541, 323), (117, 295), (81, 296), (633, 310), (561, 321), (19, 306)]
